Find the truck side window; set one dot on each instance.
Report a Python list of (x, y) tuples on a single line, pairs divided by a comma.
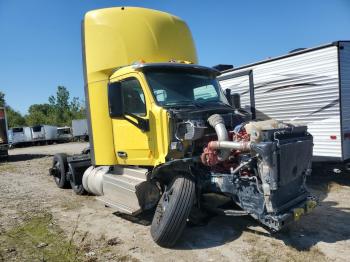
[(133, 97)]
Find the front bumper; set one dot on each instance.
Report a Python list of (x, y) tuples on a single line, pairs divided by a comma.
[(277, 221)]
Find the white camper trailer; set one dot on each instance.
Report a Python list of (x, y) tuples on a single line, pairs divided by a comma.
[(21, 135), (44, 133), (311, 86), (10, 136)]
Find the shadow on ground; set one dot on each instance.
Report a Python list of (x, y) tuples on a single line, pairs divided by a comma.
[(24, 157), (323, 177), (144, 219), (217, 232), (328, 223)]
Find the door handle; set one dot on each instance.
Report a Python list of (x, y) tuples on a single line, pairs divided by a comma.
[(122, 154)]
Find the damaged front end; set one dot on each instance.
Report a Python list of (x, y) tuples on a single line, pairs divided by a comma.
[(261, 166), (269, 182)]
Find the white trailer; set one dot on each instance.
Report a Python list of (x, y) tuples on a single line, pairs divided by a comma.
[(3, 133), (44, 133), (80, 129), (10, 136), (64, 134), (311, 86), (21, 135)]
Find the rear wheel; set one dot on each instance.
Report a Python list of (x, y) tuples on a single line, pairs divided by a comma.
[(172, 211), (60, 167)]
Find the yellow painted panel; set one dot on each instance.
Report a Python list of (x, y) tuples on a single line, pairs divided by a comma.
[(161, 133), (142, 148), (115, 37), (119, 36), (101, 123)]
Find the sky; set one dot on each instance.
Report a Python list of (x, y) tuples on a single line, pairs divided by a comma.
[(40, 45)]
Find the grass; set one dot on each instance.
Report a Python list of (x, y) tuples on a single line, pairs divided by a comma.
[(37, 239), (126, 258), (7, 168), (261, 250), (71, 205), (285, 254)]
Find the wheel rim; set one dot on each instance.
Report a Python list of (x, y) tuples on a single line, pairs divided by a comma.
[(163, 204), (167, 198)]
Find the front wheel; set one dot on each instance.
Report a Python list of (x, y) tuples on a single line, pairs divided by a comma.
[(172, 211)]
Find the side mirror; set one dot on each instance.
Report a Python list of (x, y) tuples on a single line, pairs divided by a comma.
[(115, 100), (234, 99)]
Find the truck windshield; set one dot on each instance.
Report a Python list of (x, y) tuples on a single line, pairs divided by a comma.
[(179, 87)]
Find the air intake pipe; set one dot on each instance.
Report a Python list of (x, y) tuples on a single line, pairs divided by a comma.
[(218, 123), (241, 146), (220, 150)]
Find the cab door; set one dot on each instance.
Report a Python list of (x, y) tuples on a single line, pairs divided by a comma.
[(132, 133)]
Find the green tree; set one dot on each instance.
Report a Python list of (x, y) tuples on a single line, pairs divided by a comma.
[(40, 114), (60, 105), (14, 118), (77, 109), (59, 111)]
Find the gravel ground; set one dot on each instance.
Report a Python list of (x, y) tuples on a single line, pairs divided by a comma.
[(98, 234)]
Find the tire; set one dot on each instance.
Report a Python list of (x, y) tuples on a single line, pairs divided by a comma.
[(61, 166), (172, 211), (78, 189)]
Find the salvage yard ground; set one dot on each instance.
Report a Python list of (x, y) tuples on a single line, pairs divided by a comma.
[(40, 222)]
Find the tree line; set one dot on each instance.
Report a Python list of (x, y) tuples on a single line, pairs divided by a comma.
[(60, 110)]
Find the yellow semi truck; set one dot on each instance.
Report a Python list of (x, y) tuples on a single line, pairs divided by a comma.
[(163, 136)]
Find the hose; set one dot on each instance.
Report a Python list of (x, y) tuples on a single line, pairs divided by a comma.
[(241, 146)]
